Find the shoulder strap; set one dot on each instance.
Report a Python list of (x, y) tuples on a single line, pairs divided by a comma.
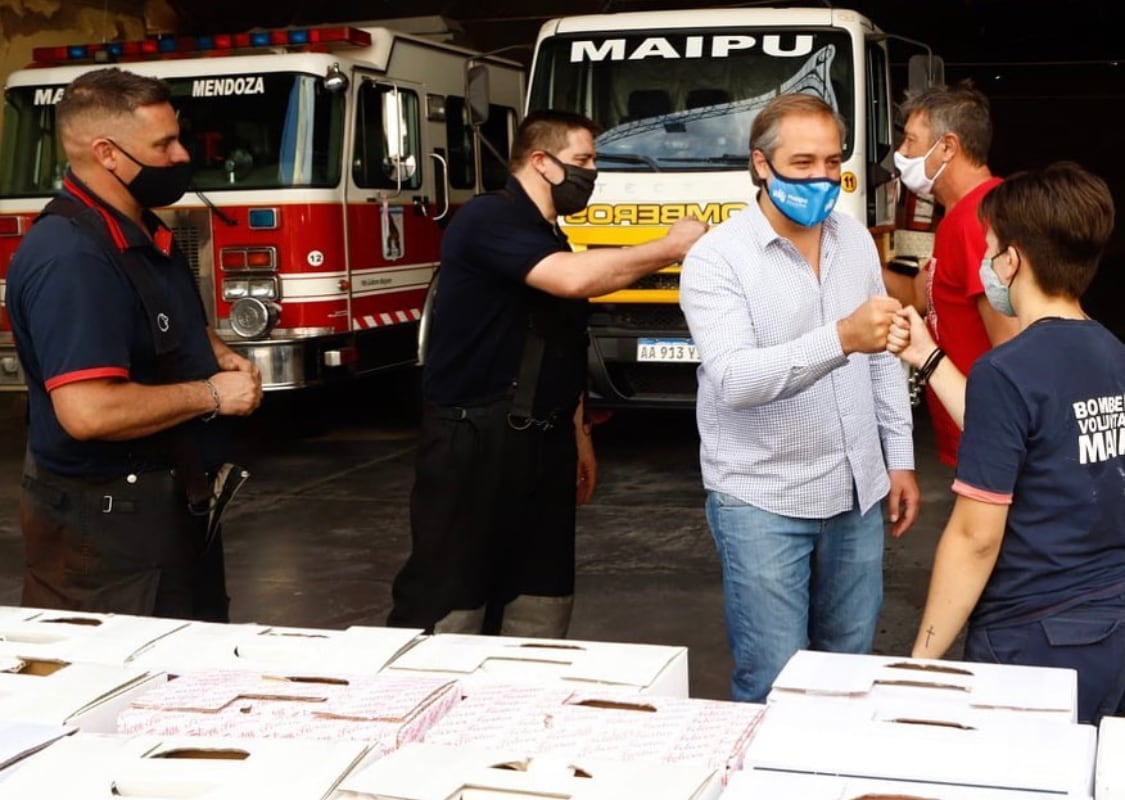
[(164, 338), (531, 359), (531, 364)]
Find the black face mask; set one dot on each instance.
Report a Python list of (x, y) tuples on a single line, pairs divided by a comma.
[(573, 193), (154, 187)]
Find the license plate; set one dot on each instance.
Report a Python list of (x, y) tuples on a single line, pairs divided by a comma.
[(674, 350)]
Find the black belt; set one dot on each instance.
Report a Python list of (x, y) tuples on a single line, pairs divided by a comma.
[(494, 407), (118, 496), (113, 496)]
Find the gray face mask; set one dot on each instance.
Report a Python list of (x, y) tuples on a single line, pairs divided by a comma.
[(573, 193), (999, 296)]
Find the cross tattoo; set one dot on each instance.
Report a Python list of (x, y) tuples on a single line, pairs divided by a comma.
[(929, 632)]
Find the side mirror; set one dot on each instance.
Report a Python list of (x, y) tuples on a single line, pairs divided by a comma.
[(924, 71), (477, 93), (335, 80)]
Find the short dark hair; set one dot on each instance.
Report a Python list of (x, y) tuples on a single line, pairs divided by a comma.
[(1061, 216), (766, 128), (960, 109), (547, 130), (110, 91)]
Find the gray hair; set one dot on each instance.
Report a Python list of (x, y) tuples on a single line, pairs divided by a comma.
[(961, 109)]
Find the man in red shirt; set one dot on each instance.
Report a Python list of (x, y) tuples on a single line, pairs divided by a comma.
[(944, 154)]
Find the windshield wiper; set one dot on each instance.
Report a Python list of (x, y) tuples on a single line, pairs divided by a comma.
[(723, 159), (629, 158), (218, 212)]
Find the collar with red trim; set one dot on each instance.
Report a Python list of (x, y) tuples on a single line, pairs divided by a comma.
[(124, 231)]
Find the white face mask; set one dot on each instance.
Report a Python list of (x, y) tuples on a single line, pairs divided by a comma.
[(913, 172), (999, 296)]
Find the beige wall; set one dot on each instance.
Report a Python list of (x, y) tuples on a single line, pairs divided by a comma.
[(27, 24)]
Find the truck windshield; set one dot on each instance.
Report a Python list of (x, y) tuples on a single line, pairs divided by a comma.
[(258, 131), (684, 100)]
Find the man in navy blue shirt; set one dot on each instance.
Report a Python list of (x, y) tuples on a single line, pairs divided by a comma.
[(504, 456), (123, 372), (1033, 556)]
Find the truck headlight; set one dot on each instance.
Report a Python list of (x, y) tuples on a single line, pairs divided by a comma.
[(264, 288), (235, 289)]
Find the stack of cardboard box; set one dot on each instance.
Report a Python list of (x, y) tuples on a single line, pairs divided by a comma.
[(103, 705)]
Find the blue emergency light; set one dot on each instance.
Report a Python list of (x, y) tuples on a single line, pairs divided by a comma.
[(263, 218)]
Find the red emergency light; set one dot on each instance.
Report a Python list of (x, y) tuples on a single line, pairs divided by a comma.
[(11, 225), (177, 46)]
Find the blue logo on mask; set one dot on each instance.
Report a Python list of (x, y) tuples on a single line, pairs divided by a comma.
[(806, 201)]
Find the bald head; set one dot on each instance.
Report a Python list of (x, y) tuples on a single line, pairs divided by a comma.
[(102, 103)]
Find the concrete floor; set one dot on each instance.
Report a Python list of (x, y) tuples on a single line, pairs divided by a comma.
[(322, 526)]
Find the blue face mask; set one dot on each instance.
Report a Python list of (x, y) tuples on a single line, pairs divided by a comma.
[(806, 201), (999, 296)]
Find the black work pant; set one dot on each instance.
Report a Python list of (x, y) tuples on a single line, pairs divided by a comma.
[(492, 515), (121, 547)]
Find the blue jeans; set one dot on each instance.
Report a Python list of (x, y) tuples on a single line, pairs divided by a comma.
[(791, 584)]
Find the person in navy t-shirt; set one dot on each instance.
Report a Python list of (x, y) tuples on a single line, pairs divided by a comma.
[(123, 372), (1033, 556)]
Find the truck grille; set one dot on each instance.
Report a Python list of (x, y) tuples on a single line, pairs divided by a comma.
[(650, 317), (188, 238), (191, 229), (668, 281), (670, 381)]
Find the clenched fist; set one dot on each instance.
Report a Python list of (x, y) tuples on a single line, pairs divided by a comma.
[(239, 392), (682, 235), (865, 330), (909, 339)]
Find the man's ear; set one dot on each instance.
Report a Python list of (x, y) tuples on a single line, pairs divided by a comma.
[(952, 144), (538, 160), (759, 166), (105, 153)]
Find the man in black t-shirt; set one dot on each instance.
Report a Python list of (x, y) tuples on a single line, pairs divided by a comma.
[(504, 456)]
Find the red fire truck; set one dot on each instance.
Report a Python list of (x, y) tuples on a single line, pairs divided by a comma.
[(326, 162)]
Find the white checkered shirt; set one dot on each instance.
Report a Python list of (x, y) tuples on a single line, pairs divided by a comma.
[(787, 423)]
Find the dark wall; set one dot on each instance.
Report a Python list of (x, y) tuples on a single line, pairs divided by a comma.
[(1054, 71), (1045, 113)]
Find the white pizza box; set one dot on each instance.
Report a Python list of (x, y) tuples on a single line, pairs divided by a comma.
[(85, 767), (80, 636), (898, 687), (196, 646), (384, 711), (85, 696), (767, 785), (1029, 754), (18, 740), (1109, 780), (258, 648), (645, 668), (607, 724), (433, 772)]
